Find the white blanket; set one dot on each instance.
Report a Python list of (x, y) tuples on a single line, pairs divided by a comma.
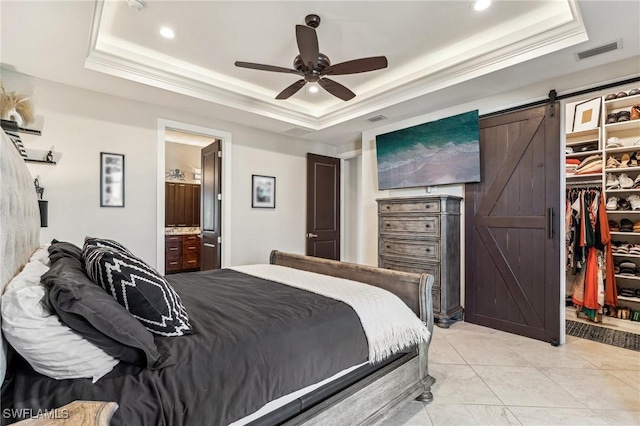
[(388, 323)]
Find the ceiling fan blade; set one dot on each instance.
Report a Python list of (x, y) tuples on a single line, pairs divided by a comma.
[(308, 45), (336, 89), (263, 67), (357, 65), (291, 90)]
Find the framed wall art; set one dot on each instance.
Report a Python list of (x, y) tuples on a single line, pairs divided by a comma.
[(263, 192), (111, 180), (587, 115)]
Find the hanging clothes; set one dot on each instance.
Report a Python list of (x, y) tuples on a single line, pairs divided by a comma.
[(589, 251)]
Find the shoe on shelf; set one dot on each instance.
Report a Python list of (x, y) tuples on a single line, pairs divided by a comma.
[(623, 116), (624, 161), (625, 181), (612, 181), (635, 201), (624, 205), (613, 142), (612, 203), (612, 163), (633, 159)]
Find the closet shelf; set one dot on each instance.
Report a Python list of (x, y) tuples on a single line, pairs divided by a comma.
[(628, 234), (591, 132), (623, 211), (623, 169), (586, 175), (630, 190), (630, 148), (627, 101), (625, 125), (583, 154), (581, 142), (628, 277), (626, 255), (629, 299)]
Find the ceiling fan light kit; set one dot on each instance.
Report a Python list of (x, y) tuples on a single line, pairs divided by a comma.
[(314, 67)]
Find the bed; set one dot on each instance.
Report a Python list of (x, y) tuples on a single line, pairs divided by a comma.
[(305, 355)]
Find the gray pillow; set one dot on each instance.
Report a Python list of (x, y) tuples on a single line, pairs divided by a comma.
[(59, 249), (96, 316)]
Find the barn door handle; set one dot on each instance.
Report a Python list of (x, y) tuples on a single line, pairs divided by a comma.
[(549, 222), (311, 235)]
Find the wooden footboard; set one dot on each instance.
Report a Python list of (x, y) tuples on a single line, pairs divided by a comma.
[(375, 397)]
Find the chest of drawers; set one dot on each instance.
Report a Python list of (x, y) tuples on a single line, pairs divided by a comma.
[(422, 234)]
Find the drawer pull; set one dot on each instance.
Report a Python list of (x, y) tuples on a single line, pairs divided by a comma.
[(428, 250), (388, 224), (427, 206), (173, 248), (191, 248), (428, 226), (388, 207), (173, 263), (191, 261)]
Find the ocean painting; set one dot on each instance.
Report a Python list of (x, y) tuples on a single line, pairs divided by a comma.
[(436, 153)]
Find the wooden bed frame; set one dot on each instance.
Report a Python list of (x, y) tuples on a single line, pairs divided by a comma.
[(369, 401), (378, 396)]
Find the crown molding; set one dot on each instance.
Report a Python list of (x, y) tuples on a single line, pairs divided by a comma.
[(470, 59)]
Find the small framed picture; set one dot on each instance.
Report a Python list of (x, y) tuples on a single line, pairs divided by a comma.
[(263, 192), (587, 115), (111, 180)]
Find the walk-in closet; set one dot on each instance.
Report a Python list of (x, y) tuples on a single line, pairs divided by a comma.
[(602, 208)]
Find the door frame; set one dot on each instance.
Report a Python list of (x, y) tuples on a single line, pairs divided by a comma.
[(226, 144), (344, 157)]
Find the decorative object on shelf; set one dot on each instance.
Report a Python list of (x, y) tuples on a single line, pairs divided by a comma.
[(111, 180), (197, 174), (15, 107), (175, 174), (39, 189), (263, 192), (587, 115), (42, 204)]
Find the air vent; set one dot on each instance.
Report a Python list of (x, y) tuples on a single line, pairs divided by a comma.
[(376, 118), (599, 50), (297, 131)]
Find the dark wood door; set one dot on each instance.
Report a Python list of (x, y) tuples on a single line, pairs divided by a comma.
[(170, 204), (195, 205), (181, 204), (323, 207), (512, 250), (210, 250)]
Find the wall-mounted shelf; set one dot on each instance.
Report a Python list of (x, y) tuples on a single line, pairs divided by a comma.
[(12, 126), (39, 156)]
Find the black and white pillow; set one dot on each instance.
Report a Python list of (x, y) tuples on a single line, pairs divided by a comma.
[(103, 242), (139, 288)]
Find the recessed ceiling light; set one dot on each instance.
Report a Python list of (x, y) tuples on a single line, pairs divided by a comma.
[(313, 88), (482, 4), (167, 32)]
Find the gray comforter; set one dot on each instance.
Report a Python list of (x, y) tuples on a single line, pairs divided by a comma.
[(254, 341)]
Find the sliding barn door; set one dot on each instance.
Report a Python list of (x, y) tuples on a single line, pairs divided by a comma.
[(512, 219)]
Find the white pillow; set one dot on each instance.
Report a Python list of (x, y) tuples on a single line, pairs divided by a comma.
[(50, 347)]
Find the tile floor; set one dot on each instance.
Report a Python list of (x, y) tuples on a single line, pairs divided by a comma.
[(488, 377)]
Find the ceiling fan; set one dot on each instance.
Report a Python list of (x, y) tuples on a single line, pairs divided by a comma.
[(314, 66)]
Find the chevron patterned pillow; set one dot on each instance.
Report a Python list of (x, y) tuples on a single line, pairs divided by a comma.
[(103, 242), (139, 288)]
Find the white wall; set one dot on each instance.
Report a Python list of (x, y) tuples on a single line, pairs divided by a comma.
[(184, 157), (82, 123), (368, 248)]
